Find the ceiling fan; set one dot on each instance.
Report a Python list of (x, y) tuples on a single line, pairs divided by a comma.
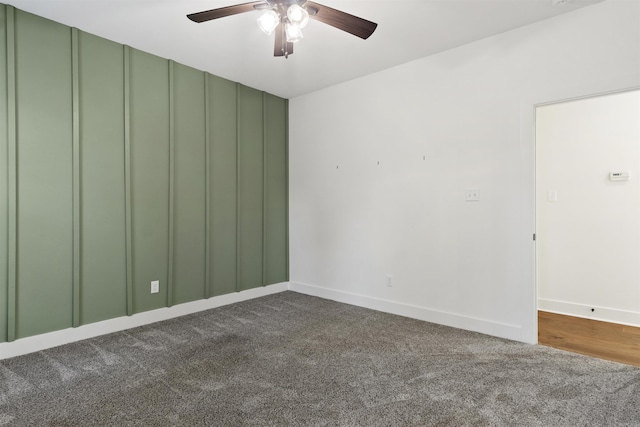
[(288, 17)]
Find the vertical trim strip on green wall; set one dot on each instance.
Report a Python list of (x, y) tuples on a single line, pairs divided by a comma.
[(127, 175), (238, 187), (172, 143), (207, 188), (12, 139), (264, 188), (75, 78), (286, 163)]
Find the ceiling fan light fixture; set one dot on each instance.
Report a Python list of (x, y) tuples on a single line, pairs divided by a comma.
[(268, 21), (294, 33), (298, 15), (286, 18)]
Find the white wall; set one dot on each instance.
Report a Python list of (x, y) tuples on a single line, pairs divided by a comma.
[(589, 230), (461, 119)]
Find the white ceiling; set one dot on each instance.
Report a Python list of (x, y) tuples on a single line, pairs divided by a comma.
[(234, 47)]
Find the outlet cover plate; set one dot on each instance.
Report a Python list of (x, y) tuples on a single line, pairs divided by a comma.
[(155, 286), (472, 195)]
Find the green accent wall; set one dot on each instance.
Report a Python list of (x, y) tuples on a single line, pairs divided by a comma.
[(189, 204), (275, 250), (44, 175), (102, 215), (223, 194), (250, 188), (4, 183), (119, 168), (149, 115)]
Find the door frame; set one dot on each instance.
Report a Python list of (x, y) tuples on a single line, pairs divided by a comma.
[(530, 326)]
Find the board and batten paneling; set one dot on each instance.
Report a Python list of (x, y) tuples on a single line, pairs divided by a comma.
[(189, 205), (250, 188), (101, 112), (44, 175), (149, 122), (4, 177), (123, 168), (275, 190), (223, 193)]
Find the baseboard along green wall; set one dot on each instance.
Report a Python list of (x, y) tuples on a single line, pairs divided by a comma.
[(120, 168)]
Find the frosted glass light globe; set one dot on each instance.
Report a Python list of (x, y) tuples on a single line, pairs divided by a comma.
[(298, 16), (268, 21), (294, 33)]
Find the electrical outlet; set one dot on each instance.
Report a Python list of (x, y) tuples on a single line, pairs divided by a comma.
[(155, 286), (389, 283), (472, 195)]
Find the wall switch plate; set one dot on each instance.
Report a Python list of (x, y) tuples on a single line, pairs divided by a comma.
[(155, 286), (472, 195), (388, 281)]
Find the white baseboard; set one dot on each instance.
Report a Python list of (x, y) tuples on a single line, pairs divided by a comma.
[(502, 330), (631, 318), (66, 336)]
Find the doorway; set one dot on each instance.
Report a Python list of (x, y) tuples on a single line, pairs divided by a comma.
[(588, 225)]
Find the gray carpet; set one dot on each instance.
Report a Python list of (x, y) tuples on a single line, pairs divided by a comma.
[(292, 359)]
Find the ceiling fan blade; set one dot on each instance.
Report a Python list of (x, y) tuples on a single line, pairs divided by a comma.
[(221, 12), (342, 20), (282, 47)]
